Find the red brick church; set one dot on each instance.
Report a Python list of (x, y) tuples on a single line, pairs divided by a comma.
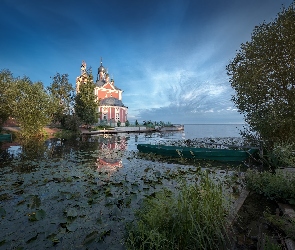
[(108, 95)]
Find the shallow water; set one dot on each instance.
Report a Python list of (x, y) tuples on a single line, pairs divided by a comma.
[(66, 194)]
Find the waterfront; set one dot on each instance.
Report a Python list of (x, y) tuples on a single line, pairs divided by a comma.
[(83, 192)]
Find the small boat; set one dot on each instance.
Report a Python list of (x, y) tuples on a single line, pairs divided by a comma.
[(5, 137), (198, 153)]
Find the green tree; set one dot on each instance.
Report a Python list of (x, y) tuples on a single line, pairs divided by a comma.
[(86, 101), (63, 93), (31, 106), (263, 77), (6, 86)]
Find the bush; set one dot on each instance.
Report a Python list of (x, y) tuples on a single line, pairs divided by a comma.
[(195, 218), (71, 122), (279, 186), (282, 155)]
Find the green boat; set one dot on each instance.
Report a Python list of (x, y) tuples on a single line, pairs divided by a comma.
[(198, 153), (5, 137)]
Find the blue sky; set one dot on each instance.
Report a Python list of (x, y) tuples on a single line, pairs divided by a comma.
[(168, 56)]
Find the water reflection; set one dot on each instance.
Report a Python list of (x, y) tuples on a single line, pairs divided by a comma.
[(111, 152), (101, 152)]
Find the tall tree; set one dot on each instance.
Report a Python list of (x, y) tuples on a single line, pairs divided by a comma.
[(86, 101), (263, 77), (63, 92)]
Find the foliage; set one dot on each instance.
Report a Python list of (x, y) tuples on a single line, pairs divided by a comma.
[(6, 85), (85, 101), (71, 122), (62, 92), (278, 186), (118, 123), (192, 219), (283, 223), (127, 123), (101, 127), (263, 77), (282, 155), (31, 106), (136, 123)]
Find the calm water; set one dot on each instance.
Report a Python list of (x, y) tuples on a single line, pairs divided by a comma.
[(89, 186), (211, 130)]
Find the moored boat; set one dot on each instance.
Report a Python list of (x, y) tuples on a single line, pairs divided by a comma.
[(232, 155), (5, 137)]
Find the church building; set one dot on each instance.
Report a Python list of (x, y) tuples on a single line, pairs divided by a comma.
[(109, 97)]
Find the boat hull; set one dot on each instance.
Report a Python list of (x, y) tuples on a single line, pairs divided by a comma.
[(5, 137), (197, 153)]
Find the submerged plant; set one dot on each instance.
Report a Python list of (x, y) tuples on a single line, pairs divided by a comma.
[(194, 218)]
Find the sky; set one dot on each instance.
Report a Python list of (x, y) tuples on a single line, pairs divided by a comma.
[(168, 56)]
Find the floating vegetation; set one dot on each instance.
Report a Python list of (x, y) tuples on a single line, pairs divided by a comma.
[(64, 195)]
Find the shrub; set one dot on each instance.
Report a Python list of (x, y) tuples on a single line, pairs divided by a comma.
[(71, 122), (282, 155), (278, 186), (195, 218)]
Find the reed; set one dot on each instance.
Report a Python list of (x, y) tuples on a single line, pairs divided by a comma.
[(193, 218)]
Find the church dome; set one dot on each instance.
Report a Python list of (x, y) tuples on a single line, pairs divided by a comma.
[(111, 101), (101, 69)]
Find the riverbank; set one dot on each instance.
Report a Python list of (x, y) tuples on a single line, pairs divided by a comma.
[(51, 131)]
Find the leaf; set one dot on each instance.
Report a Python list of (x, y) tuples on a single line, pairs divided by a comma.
[(32, 239), (72, 226), (72, 213), (40, 214), (2, 242), (90, 237), (2, 212)]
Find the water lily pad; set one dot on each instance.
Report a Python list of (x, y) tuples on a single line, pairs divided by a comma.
[(73, 226), (38, 215), (72, 213), (2, 212), (32, 238), (90, 237)]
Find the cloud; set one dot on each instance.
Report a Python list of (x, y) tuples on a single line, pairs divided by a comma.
[(190, 100)]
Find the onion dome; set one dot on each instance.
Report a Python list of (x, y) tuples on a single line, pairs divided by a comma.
[(101, 68), (111, 101)]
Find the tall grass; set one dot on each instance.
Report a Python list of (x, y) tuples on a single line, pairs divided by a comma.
[(194, 218)]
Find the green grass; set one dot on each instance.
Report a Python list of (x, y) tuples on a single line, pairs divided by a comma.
[(194, 218)]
